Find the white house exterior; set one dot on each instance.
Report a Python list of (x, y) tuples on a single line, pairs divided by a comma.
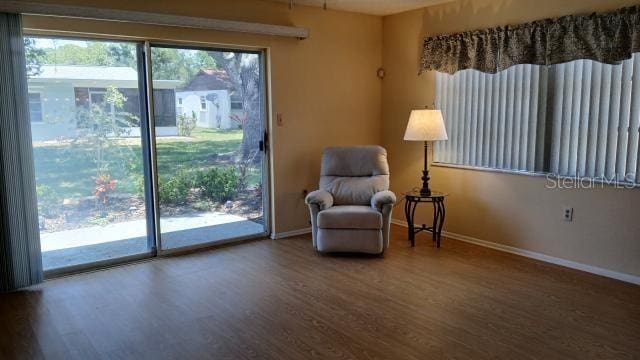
[(58, 91), (210, 97), (212, 108)]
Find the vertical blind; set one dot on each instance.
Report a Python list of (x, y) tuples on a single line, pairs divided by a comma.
[(20, 261), (578, 119)]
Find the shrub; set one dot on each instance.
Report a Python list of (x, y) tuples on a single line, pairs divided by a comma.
[(138, 184), (105, 185), (48, 200), (101, 220), (244, 167), (175, 189), (219, 184), (202, 205), (186, 124)]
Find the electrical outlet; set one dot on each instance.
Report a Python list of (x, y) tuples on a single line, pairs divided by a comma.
[(567, 214)]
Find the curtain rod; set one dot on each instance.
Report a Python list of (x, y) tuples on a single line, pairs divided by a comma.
[(85, 12)]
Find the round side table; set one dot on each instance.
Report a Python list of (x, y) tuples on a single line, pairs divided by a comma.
[(412, 199)]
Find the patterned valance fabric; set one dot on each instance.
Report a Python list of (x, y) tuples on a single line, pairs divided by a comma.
[(605, 37)]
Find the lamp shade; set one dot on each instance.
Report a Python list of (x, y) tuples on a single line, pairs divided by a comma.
[(425, 125)]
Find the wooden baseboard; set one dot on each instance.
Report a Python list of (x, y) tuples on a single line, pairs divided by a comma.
[(286, 234), (634, 279)]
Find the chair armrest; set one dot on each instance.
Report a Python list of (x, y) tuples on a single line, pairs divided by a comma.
[(322, 198), (382, 198)]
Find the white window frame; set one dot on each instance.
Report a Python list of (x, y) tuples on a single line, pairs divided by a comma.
[(41, 106), (203, 101), (98, 92)]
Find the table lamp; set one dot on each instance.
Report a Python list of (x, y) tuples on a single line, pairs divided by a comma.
[(425, 125)]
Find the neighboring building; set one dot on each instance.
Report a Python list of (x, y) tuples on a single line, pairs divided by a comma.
[(56, 94), (210, 96)]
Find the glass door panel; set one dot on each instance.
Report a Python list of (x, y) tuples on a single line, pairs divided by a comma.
[(209, 124), (86, 116)]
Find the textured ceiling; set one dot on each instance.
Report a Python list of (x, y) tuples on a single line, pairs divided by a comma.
[(372, 7)]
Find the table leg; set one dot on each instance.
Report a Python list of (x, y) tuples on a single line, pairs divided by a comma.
[(407, 215), (441, 214), (434, 224), (412, 226)]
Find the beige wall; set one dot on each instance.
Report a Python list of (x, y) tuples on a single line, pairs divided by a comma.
[(325, 87), (513, 210), (328, 93)]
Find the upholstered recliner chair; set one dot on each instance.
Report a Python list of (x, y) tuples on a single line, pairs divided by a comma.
[(352, 210)]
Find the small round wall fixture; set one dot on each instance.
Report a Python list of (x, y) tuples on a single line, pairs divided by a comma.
[(380, 73)]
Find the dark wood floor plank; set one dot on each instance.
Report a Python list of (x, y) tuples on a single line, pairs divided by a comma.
[(281, 300)]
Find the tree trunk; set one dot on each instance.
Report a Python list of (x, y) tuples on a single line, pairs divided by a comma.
[(244, 72), (251, 104)]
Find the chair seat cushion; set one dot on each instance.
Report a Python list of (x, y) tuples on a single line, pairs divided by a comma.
[(350, 217)]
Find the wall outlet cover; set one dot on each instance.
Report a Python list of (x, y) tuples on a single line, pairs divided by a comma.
[(567, 214)]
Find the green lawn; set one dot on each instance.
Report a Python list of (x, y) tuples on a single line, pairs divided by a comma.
[(69, 168)]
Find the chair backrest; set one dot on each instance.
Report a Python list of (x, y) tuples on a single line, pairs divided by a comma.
[(352, 174)]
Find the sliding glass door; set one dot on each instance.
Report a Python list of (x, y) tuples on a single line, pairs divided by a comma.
[(209, 127), (120, 159), (86, 119)]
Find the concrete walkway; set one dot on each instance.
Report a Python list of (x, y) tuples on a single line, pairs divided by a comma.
[(95, 243)]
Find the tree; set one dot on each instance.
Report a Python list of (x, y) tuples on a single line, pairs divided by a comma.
[(102, 125), (178, 64), (34, 57), (168, 63), (244, 71), (202, 60), (165, 64), (123, 54), (94, 53)]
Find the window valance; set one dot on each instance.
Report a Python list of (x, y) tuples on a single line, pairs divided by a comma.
[(604, 37)]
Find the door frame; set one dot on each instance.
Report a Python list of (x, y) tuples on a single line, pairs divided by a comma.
[(266, 154), (148, 145), (149, 209)]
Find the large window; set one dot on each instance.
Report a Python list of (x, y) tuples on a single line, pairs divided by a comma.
[(210, 176), (94, 151), (88, 153), (577, 119)]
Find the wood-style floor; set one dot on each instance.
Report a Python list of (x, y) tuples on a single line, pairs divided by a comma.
[(280, 300)]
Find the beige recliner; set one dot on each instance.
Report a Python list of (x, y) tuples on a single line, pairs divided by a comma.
[(352, 210)]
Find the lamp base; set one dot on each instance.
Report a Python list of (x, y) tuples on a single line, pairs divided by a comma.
[(426, 191)]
